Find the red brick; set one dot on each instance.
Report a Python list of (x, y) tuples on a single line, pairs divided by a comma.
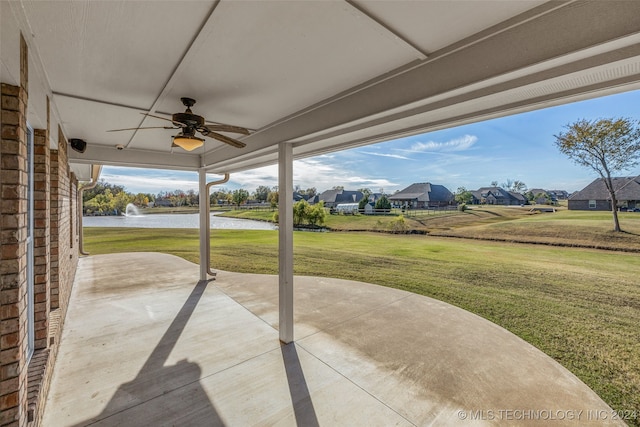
[(9, 371), (9, 356), (8, 311), (10, 103), (9, 417), (9, 326), (9, 340), (9, 401), (11, 90), (9, 296), (10, 384), (10, 118)]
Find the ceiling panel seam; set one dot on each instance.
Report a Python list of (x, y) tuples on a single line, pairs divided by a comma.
[(520, 19), (420, 54), (168, 84)]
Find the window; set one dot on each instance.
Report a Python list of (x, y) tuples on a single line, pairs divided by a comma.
[(592, 204)]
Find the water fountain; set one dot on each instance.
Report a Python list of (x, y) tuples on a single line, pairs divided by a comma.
[(131, 210)]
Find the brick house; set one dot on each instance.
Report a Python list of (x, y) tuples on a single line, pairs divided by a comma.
[(333, 198), (423, 195), (497, 196), (596, 197)]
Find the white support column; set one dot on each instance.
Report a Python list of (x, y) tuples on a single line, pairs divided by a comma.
[(203, 203), (285, 240)]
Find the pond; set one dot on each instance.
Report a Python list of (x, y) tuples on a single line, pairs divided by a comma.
[(174, 221)]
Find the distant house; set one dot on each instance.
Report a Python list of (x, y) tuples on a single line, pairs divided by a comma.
[(423, 195), (497, 196), (333, 198), (162, 203), (559, 194), (543, 197), (596, 197)]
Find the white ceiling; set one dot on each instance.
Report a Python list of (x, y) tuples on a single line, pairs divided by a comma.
[(323, 75)]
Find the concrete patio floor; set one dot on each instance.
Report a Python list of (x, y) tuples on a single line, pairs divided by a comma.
[(146, 344)]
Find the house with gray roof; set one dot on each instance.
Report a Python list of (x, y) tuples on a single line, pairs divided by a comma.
[(333, 198), (595, 196), (497, 196), (423, 195)]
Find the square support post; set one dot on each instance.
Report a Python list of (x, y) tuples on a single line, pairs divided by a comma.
[(285, 241), (202, 203)]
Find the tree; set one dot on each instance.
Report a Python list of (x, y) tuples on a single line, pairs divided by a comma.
[(463, 196), (519, 186), (383, 203), (317, 215), (366, 192), (514, 185), (239, 196), (605, 145), (220, 196), (261, 193), (121, 200), (311, 192), (301, 211), (363, 202), (494, 183), (272, 198), (101, 187)]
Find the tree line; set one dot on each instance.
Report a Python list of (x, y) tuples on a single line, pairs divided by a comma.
[(111, 199)]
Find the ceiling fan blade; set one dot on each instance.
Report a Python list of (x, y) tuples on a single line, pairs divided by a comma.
[(225, 139), (154, 127), (164, 118), (218, 127)]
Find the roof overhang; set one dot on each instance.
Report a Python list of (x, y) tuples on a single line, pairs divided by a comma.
[(322, 76)]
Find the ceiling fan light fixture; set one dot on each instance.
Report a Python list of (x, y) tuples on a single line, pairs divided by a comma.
[(188, 142)]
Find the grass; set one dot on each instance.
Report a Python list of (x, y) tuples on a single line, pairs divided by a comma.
[(579, 306), (512, 224)]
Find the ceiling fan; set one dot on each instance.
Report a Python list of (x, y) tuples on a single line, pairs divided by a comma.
[(190, 123)]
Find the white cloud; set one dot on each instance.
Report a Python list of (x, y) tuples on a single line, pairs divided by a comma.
[(393, 156), (137, 180), (458, 144)]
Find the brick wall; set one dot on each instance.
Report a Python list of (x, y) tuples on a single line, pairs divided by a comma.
[(42, 212), (13, 257), (64, 236), (583, 205), (23, 384)]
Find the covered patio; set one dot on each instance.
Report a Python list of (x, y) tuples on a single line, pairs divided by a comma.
[(148, 343), (93, 83)]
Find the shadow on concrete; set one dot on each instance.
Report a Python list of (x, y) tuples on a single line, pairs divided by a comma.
[(143, 399), (300, 398)]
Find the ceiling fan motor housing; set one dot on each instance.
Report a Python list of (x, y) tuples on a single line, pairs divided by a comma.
[(188, 119)]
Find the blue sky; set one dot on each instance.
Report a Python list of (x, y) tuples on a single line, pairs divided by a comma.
[(518, 147)]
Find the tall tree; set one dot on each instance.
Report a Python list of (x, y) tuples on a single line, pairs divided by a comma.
[(272, 198), (607, 146), (240, 196), (261, 193), (383, 203), (463, 196)]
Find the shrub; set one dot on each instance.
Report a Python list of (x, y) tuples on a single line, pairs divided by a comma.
[(398, 225)]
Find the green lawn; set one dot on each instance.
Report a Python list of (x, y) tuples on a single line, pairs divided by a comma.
[(580, 306)]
